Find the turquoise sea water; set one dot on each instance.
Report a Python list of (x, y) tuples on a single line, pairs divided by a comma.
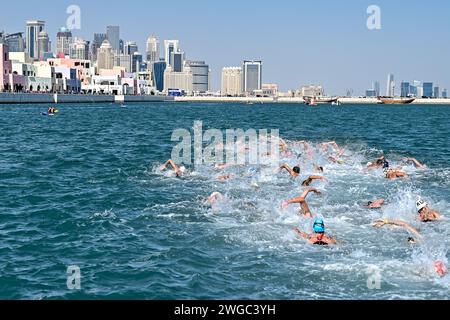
[(83, 188)]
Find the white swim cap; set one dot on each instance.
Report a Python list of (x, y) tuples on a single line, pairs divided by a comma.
[(369, 164), (182, 169), (421, 204)]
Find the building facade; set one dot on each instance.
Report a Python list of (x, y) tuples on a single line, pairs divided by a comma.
[(34, 27), (231, 81), (153, 49), (64, 43), (113, 36), (252, 76)]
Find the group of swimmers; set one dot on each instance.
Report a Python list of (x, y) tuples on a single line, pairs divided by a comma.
[(319, 236)]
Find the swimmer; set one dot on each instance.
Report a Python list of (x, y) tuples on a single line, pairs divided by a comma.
[(214, 197), (311, 179), (304, 208), (222, 166), (319, 169), (426, 214), (179, 171), (381, 223), (319, 237), (381, 162), (225, 177), (440, 268), (294, 172), (416, 163), (392, 174), (377, 204)]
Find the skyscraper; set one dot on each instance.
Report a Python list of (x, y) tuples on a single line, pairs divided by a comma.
[(130, 47), (428, 89), (34, 27), (444, 93), (105, 56), (405, 89), (437, 92), (80, 49), (390, 92), (43, 44), (231, 81), (97, 43), (200, 75), (64, 42), (169, 47), (376, 87), (252, 76), (158, 69), (177, 59), (153, 50), (113, 36)]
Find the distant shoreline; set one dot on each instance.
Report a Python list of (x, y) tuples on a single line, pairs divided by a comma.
[(49, 98)]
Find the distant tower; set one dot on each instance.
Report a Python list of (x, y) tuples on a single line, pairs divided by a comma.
[(113, 36), (96, 44), (390, 92), (130, 48), (64, 42), (169, 47), (153, 51), (34, 27), (252, 76), (43, 44), (105, 56), (376, 87)]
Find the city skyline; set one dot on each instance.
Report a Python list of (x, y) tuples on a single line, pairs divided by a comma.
[(338, 58)]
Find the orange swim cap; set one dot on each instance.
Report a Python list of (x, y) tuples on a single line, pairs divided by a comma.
[(440, 269)]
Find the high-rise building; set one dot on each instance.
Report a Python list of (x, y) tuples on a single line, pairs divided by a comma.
[(136, 61), (34, 27), (96, 44), (15, 42), (390, 91), (231, 81), (113, 37), (371, 93), (177, 59), (428, 89), (252, 76), (158, 70), (376, 87), (200, 75), (43, 44), (130, 48), (80, 49), (169, 47), (64, 42), (105, 56), (153, 48), (444, 93), (124, 61), (437, 92), (405, 89), (313, 91)]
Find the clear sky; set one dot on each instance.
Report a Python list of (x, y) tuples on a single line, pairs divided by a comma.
[(300, 41)]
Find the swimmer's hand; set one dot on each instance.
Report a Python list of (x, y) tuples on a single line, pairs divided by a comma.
[(285, 204), (381, 223)]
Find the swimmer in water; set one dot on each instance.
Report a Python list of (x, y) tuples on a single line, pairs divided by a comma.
[(377, 204), (214, 197), (225, 177), (426, 214), (392, 174), (319, 169), (311, 179), (179, 171), (416, 163), (385, 222), (440, 268), (294, 172), (381, 162), (304, 208), (319, 237)]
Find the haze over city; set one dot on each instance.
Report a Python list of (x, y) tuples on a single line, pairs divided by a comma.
[(299, 42)]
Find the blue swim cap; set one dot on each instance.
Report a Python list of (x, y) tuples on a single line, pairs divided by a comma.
[(319, 226), (252, 170), (385, 164)]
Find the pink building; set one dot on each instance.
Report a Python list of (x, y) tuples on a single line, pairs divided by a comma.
[(8, 80), (83, 68)]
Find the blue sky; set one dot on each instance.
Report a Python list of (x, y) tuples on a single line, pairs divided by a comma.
[(299, 41)]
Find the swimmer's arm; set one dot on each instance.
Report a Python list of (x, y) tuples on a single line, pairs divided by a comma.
[(406, 226), (302, 234), (302, 198), (416, 163), (332, 240), (288, 169), (310, 179), (170, 163)]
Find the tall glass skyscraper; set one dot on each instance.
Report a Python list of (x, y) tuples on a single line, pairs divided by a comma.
[(252, 76), (158, 75), (169, 47), (428, 89), (437, 92), (405, 89), (390, 91), (15, 42), (113, 36)]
